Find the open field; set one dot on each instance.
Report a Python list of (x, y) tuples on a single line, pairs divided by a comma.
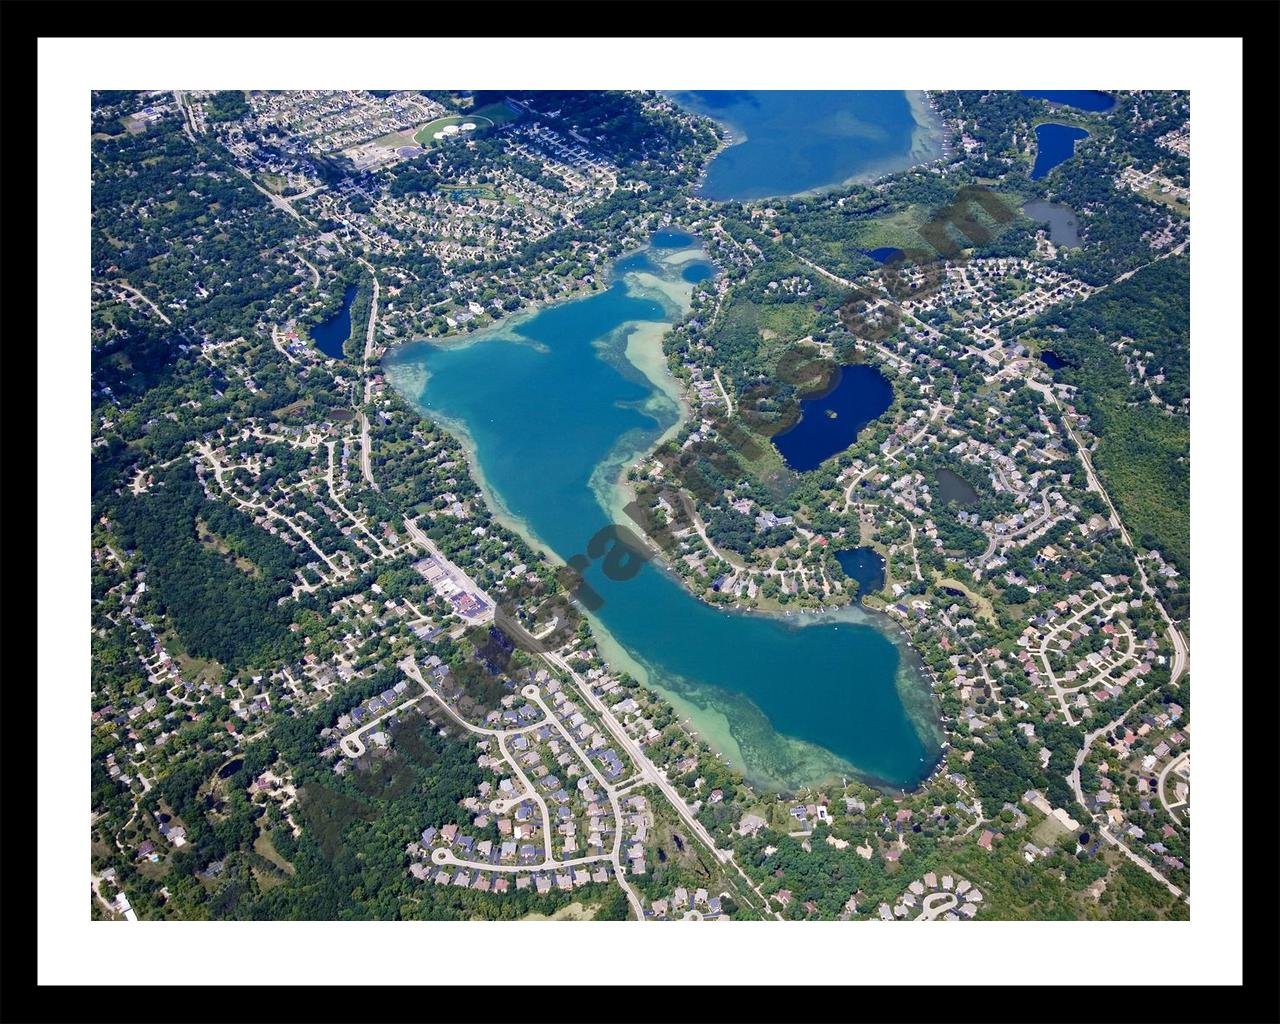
[(899, 230), (294, 407), (464, 191), (497, 113), (979, 603), (274, 182), (395, 140), (212, 542), (573, 912), (266, 848), (1048, 832), (196, 670), (426, 132), (1173, 202)]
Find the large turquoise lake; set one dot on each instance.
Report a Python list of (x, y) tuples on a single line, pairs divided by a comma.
[(788, 142), (552, 407)]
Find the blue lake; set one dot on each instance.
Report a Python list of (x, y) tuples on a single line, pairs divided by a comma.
[(830, 422), (1055, 144), (864, 564), (330, 336), (553, 406), (697, 271), (787, 142), (1081, 99), (884, 254)]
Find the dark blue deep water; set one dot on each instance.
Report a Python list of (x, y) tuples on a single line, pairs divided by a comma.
[(861, 394), (789, 141), (330, 335), (696, 272), (884, 254), (864, 565), (1055, 143), (669, 238), (1052, 360), (1081, 99), (637, 261)]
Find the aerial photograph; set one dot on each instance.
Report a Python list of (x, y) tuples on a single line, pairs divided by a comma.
[(638, 505)]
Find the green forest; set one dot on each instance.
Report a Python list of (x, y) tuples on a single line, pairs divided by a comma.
[(219, 609), (1143, 451)]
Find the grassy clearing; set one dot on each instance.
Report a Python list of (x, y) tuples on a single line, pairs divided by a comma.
[(272, 182), (263, 846), (395, 140), (573, 912), (265, 879), (900, 230), (292, 407), (496, 113), (196, 670), (477, 191), (791, 320), (155, 871), (212, 542), (979, 603), (1061, 115), (1048, 832), (768, 463), (1173, 202)]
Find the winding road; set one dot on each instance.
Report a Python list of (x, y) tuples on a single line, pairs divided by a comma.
[(444, 856), (126, 286), (723, 393), (1181, 653), (1160, 780), (366, 447)]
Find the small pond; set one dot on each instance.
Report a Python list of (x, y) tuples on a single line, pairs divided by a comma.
[(1055, 144), (950, 486), (864, 564), (331, 335), (1061, 219), (831, 421)]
